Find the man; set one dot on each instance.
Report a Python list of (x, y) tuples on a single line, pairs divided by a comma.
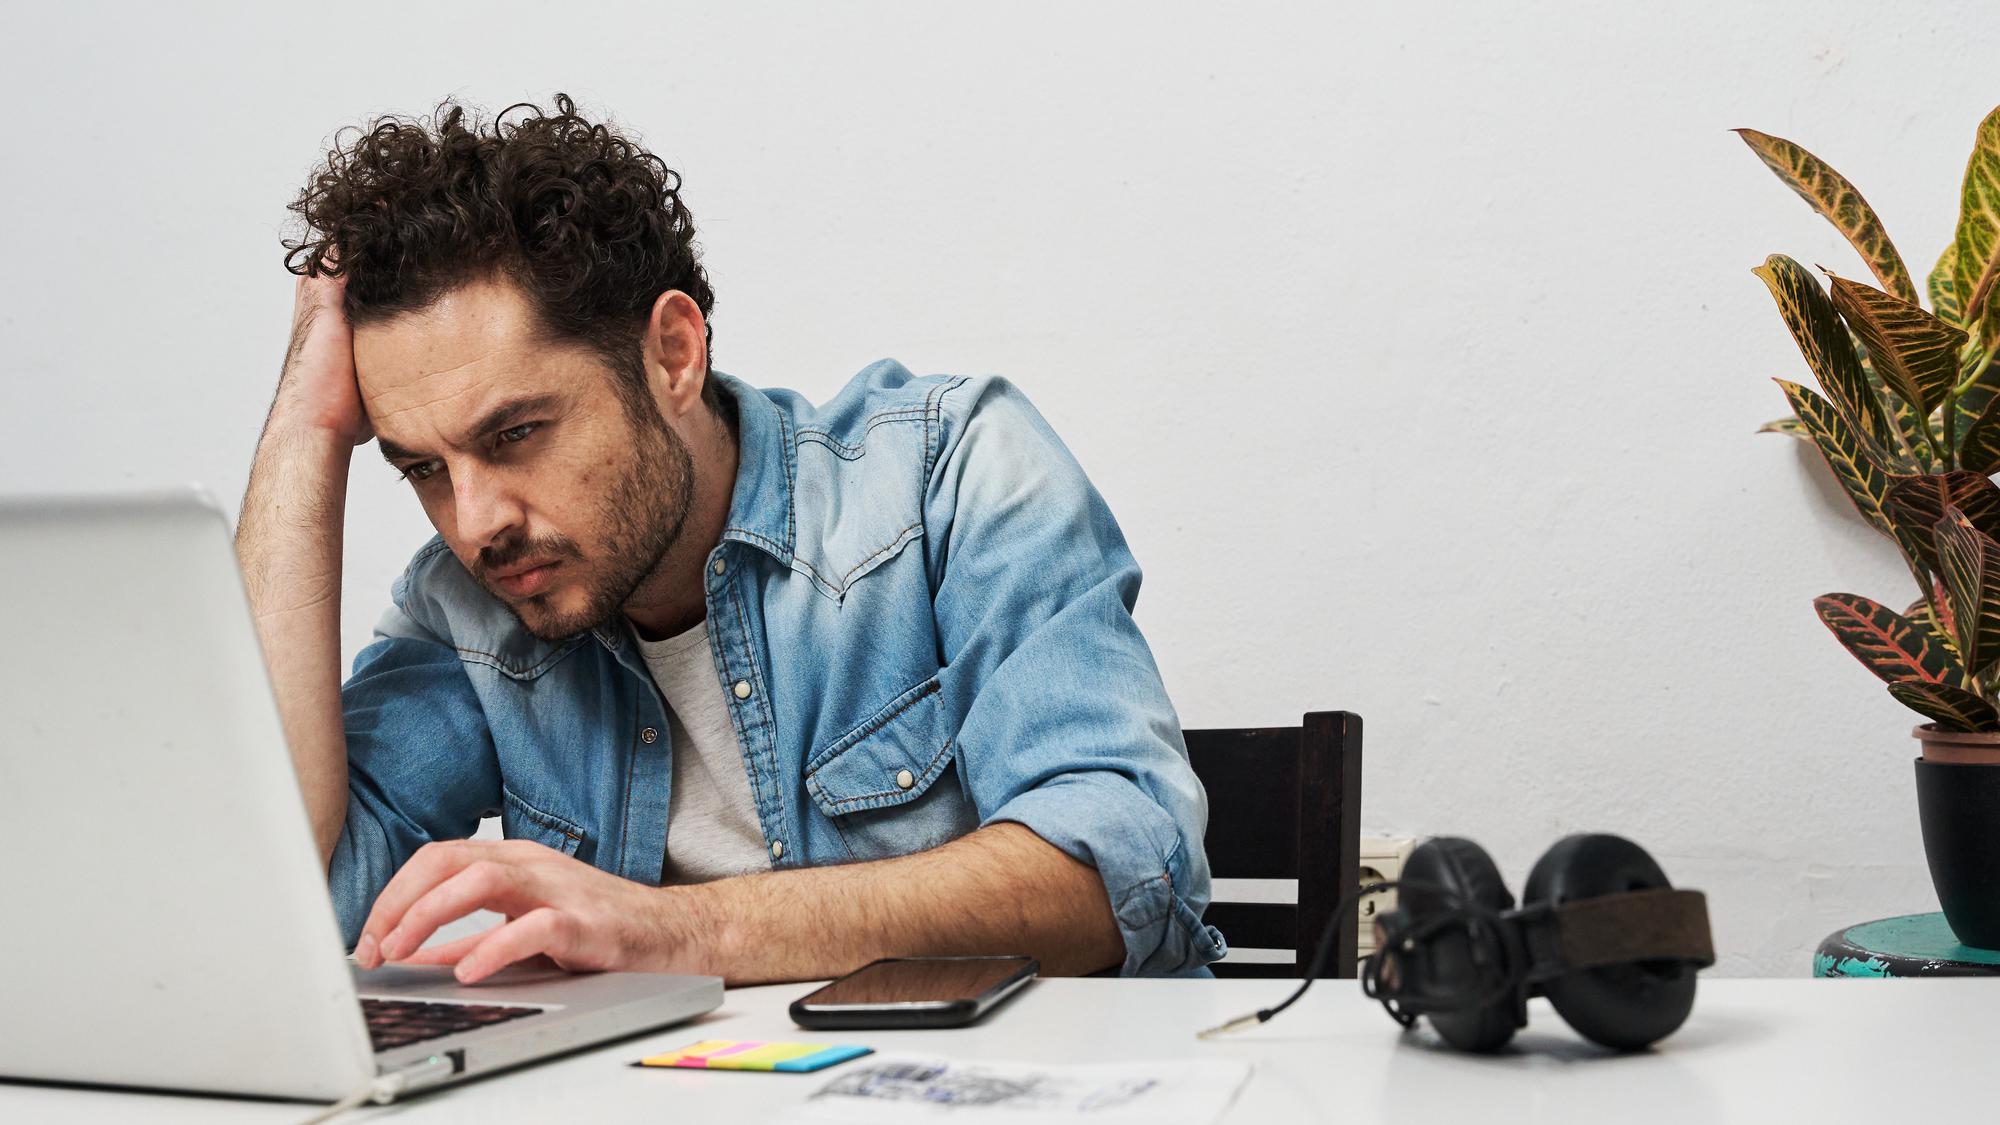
[(756, 688)]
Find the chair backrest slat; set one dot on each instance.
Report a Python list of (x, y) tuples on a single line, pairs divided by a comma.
[(1256, 925), (1283, 803), (1252, 778)]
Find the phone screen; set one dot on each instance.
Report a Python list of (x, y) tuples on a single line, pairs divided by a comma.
[(920, 980)]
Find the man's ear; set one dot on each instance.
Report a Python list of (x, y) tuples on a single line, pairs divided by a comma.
[(675, 352)]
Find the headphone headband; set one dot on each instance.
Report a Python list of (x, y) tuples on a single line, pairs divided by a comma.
[(1657, 924)]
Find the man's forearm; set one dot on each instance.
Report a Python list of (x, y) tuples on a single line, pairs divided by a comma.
[(1001, 889), (288, 542)]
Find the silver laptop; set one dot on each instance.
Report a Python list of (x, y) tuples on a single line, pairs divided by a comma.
[(164, 919)]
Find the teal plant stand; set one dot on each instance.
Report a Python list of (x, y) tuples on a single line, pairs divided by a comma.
[(1914, 945)]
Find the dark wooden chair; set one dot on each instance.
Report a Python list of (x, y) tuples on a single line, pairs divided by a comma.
[(1284, 803)]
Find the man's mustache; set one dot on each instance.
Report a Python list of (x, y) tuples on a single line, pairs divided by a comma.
[(518, 551)]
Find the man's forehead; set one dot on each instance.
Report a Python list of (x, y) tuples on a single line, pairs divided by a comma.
[(430, 376), (469, 336)]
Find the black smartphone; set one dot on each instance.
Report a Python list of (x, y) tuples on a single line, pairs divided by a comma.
[(915, 992)]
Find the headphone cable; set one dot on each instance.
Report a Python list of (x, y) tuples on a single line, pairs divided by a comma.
[(1459, 912), (1320, 954)]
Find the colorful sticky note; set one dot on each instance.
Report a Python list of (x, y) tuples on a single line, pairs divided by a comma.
[(752, 1054)]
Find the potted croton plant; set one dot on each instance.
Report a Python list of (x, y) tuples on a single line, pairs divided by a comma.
[(1907, 416)]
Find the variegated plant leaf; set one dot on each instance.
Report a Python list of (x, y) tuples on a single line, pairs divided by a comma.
[(1935, 611), (1979, 449), (1941, 611), (1945, 302), (1952, 707), (1915, 353), (1887, 643), (1981, 383), (1917, 503), (1923, 435), (1976, 245), (1790, 427), (1948, 302), (1920, 615), (1970, 560), (1831, 195), (1823, 341), (1864, 478)]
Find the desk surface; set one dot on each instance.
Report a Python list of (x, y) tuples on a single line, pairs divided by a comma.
[(1754, 1051)]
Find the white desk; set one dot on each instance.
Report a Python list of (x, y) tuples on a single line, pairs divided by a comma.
[(1757, 1051)]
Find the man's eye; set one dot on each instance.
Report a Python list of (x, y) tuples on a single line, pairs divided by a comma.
[(422, 470), (517, 433)]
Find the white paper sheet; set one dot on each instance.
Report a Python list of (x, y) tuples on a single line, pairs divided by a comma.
[(887, 1090)]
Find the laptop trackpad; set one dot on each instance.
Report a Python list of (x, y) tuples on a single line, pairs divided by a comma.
[(516, 984), (649, 994)]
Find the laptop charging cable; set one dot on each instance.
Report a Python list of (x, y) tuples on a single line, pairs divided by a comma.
[(386, 1088)]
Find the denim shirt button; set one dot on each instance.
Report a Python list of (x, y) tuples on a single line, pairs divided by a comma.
[(777, 849), (649, 736), (720, 566), (743, 689), (905, 779)]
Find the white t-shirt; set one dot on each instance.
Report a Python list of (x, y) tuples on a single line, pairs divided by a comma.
[(712, 829)]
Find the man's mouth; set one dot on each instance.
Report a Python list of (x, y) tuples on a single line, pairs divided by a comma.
[(525, 580)]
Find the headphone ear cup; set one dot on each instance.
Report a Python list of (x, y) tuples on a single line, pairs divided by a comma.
[(1462, 873), (1627, 1006)]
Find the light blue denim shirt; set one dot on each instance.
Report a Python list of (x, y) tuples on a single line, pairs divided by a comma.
[(915, 576)]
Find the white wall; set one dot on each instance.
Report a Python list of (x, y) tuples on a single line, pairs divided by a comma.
[(1418, 351)]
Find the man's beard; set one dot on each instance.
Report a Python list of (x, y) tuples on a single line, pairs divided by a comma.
[(642, 515)]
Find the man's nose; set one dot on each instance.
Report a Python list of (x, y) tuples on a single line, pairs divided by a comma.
[(485, 507)]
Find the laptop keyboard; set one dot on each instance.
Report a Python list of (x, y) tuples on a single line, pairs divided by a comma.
[(399, 1023)]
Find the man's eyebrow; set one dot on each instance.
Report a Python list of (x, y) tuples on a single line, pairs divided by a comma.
[(509, 413), (391, 451), (500, 417)]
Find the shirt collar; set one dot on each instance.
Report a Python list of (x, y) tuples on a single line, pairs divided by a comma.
[(760, 508)]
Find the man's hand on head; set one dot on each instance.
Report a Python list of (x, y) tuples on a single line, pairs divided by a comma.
[(317, 387), (577, 916), (288, 543)]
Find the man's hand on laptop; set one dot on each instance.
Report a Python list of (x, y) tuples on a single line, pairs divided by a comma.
[(998, 889), (557, 907)]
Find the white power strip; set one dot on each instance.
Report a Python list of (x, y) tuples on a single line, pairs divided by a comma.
[(1382, 859)]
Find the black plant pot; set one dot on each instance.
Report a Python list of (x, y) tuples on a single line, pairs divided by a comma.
[(1959, 808)]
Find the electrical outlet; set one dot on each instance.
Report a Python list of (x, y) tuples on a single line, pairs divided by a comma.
[(1382, 859)]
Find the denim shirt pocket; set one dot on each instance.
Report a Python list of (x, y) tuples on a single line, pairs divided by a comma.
[(858, 779), (857, 504), (520, 820)]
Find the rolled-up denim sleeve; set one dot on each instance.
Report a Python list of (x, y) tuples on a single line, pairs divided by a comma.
[(1067, 728), (420, 762)]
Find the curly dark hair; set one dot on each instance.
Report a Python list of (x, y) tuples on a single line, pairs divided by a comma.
[(589, 225)]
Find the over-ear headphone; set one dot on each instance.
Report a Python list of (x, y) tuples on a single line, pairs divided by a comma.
[(1600, 932)]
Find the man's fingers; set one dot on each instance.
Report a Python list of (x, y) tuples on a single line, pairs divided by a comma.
[(449, 952), (543, 930), (433, 864), (483, 884)]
